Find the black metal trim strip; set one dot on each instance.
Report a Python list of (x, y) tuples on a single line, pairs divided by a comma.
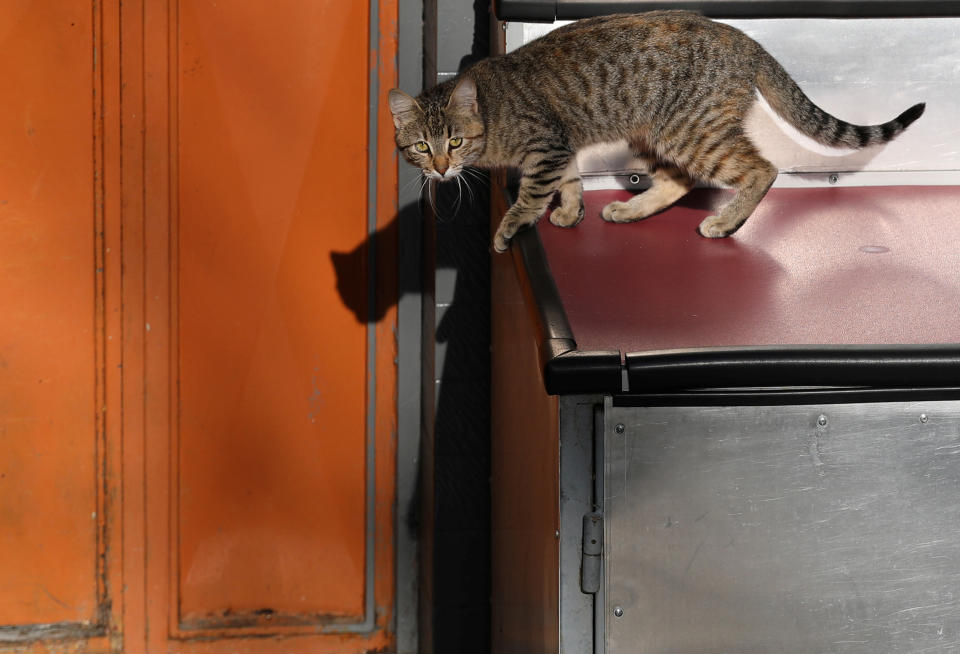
[(551, 10), (873, 366), (786, 396), (537, 281)]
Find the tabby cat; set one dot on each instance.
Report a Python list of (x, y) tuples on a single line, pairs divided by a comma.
[(676, 86)]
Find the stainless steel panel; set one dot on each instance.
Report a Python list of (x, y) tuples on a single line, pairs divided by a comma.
[(576, 500), (783, 529)]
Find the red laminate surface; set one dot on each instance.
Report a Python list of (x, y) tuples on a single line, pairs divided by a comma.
[(836, 266)]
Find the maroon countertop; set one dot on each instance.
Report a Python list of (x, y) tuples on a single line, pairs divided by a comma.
[(820, 266)]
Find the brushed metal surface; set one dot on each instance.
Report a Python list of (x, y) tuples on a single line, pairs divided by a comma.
[(789, 528), (577, 499)]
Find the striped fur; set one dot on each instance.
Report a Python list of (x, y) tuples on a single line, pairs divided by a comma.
[(673, 84)]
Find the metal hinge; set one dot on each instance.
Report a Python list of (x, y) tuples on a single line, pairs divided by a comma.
[(592, 549)]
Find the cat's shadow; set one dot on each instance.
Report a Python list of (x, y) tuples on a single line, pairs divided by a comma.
[(352, 269)]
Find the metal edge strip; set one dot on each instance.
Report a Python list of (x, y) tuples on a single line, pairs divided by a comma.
[(785, 396), (371, 436), (368, 623), (798, 366), (369, 617), (544, 11), (550, 10)]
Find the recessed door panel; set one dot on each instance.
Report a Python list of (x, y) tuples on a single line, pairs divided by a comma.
[(48, 333), (272, 163)]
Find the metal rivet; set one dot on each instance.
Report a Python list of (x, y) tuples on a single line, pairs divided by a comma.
[(822, 420), (833, 179), (923, 417), (618, 611), (634, 179), (619, 428)]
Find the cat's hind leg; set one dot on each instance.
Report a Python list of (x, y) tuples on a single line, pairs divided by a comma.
[(750, 174), (669, 184), (570, 211)]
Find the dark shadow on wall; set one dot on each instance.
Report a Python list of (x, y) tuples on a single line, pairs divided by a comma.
[(459, 338), (462, 427), (457, 333), (461, 560)]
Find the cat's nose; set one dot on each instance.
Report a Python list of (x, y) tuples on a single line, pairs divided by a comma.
[(441, 165)]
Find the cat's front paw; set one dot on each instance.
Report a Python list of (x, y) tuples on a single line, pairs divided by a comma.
[(564, 218), (500, 244), (714, 227), (619, 212)]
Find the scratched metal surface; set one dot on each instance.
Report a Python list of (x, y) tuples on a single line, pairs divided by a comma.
[(756, 529)]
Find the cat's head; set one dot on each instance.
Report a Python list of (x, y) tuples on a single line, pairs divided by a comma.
[(441, 131)]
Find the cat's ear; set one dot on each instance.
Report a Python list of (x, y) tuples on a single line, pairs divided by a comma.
[(403, 107), (464, 95)]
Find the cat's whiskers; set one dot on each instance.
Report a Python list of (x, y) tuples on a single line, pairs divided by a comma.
[(477, 176), (410, 182), (429, 183), (456, 207), (424, 180), (466, 183)]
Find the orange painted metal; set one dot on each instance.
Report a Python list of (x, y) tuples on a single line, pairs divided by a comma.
[(272, 408), (191, 431), (48, 474), (57, 542)]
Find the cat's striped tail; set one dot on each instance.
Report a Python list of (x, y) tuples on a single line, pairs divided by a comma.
[(793, 105)]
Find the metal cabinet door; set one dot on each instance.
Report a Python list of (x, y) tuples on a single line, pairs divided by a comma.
[(792, 528)]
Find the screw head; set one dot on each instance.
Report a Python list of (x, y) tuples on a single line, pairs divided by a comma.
[(618, 611), (923, 417), (620, 428), (834, 178), (822, 420)]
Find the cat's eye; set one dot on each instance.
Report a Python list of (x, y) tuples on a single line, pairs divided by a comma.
[(421, 146), (456, 141)]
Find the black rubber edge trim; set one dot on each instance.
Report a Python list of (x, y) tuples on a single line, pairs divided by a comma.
[(565, 369), (786, 396), (537, 281), (550, 10), (533, 11), (871, 366), (580, 373)]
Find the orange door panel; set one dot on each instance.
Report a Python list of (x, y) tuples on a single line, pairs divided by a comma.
[(272, 128), (52, 512), (197, 435)]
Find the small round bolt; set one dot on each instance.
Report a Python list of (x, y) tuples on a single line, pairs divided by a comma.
[(634, 179), (618, 611), (834, 178), (923, 418), (822, 420), (619, 428)]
